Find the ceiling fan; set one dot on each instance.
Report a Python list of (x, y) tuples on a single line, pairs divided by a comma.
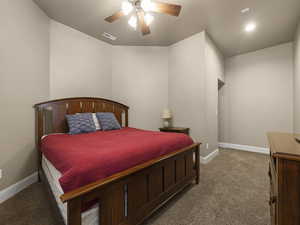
[(140, 10)]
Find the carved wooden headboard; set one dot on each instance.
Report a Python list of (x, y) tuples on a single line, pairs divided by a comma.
[(50, 116)]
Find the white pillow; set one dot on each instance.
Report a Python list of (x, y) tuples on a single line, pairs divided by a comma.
[(97, 124)]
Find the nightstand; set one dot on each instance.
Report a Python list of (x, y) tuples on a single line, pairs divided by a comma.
[(183, 130)]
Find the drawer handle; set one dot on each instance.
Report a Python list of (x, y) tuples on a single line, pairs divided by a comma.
[(269, 173), (272, 200)]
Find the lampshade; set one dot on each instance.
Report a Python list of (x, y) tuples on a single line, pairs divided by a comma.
[(166, 114), (127, 7)]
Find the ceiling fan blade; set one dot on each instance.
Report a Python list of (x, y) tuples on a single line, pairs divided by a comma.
[(114, 17), (144, 27), (171, 9)]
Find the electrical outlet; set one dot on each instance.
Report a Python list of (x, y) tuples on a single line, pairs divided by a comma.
[(0, 174), (207, 145)]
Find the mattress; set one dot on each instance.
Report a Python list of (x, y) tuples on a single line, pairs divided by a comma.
[(89, 217), (72, 161), (85, 158)]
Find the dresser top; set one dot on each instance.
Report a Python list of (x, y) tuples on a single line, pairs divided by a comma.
[(284, 145)]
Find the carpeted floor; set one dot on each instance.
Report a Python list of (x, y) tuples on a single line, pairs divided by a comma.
[(233, 191)]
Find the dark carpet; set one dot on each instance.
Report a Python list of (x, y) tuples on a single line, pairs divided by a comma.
[(233, 191)]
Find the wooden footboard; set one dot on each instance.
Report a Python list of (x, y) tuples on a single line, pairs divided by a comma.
[(148, 187)]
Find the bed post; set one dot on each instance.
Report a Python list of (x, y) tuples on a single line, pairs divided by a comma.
[(39, 128), (197, 164), (126, 117), (74, 211)]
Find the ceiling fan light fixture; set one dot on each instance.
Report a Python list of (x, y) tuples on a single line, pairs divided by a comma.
[(127, 7), (250, 27), (133, 22), (140, 13), (147, 5), (148, 19)]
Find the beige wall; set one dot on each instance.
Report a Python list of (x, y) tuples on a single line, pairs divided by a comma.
[(187, 85), (297, 81), (195, 65), (257, 96), (141, 76), (24, 81), (80, 65), (140, 80), (215, 60), (84, 66), (215, 69)]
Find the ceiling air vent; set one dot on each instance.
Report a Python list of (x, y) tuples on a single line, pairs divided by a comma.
[(109, 36)]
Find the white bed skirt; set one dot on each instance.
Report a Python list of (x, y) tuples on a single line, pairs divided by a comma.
[(90, 217)]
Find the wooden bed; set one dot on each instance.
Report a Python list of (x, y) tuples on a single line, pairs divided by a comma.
[(150, 185)]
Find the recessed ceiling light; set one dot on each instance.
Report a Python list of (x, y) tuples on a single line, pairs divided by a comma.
[(245, 10), (250, 27)]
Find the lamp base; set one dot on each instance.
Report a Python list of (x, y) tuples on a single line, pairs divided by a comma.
[(166, 123)]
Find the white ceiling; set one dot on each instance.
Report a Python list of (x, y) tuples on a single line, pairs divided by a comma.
[(276, 22)]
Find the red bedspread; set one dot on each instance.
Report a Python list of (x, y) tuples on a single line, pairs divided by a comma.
[(85, 158)]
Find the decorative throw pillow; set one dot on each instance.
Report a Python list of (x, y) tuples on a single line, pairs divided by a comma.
[(108, 121), (81, 123), (96, 122)]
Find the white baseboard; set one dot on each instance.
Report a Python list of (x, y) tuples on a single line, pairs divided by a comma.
[(17, 187), (247, 148), (209, 157)]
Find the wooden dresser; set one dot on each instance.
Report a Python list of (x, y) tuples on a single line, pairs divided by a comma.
[(284, 173)]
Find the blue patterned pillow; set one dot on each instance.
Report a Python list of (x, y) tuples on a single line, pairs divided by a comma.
[(81, 123), (108, 121)]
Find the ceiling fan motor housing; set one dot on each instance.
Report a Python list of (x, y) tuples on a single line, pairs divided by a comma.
[(136, 4)]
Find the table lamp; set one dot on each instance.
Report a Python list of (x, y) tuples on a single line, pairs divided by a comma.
[(166, 116)]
